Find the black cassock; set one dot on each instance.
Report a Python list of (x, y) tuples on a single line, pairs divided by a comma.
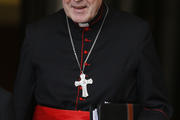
[(5, 105), (124, 66)]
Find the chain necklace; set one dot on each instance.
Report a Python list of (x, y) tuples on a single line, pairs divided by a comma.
[(74, 50), (83, 83)]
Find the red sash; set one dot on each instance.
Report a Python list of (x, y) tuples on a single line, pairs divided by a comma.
[(47, 113)]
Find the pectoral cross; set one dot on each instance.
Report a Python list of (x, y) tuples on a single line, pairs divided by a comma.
[(83, 83)]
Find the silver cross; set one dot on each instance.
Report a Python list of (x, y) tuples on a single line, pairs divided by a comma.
[(83, 83)]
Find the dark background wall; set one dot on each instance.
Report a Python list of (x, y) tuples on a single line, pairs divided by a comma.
[(9, 41), (163, 16)]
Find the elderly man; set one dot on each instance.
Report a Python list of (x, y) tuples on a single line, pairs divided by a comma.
[(84, 55)]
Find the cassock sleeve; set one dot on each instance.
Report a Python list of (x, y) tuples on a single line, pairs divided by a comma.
[(23, 98), (151, 87)]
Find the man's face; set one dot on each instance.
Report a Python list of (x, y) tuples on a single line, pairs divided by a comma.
[(81, 10)]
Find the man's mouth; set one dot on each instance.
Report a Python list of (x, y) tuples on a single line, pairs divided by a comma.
[(79, 7)]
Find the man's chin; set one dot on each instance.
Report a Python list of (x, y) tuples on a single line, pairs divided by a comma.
[(81, 19)]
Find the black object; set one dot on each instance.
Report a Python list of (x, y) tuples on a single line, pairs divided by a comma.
[(112, 111)]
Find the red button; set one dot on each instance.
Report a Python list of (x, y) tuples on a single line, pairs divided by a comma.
[(86, 40), (85, 52), (81, 99), (86, 64), (86, 28)]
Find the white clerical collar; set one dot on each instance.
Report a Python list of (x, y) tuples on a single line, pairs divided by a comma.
[(83, 24)]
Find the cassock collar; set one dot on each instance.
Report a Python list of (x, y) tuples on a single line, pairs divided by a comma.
[(94, 23)]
